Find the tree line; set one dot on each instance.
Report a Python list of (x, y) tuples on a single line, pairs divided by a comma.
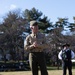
[(15, 27)]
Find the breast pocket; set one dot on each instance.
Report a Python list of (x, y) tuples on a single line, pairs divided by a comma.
[(40, 41), (32, 40)]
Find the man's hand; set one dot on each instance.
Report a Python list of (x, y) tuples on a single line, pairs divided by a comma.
[(35, 44)]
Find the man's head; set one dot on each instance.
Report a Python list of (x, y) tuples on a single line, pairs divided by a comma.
[(34, 26), (66, 45), (33, 23)]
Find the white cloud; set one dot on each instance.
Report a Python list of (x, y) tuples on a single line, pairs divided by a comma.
[(12, 7)]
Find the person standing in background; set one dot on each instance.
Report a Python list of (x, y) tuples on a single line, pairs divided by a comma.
[(66, 54), (35, 43)]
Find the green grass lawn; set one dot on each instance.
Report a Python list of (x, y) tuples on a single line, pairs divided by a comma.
[(50, 72)]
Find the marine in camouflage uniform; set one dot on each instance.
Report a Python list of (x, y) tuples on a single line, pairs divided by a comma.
[(35, 43)]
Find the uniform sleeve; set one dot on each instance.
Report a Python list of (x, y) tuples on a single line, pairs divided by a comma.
[(60, 55), (27, 45), (72, 54)]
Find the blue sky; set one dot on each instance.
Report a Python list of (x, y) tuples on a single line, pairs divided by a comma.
[(52, 8)]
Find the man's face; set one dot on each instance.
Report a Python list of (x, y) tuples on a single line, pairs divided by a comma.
[(34, 28), (66, 47)]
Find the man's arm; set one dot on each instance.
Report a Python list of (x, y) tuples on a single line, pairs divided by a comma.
[(72, 54), (27, 45), (60, 55)]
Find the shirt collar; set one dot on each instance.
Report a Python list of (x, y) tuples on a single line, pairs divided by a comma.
[(66, 49), (34, 34)]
